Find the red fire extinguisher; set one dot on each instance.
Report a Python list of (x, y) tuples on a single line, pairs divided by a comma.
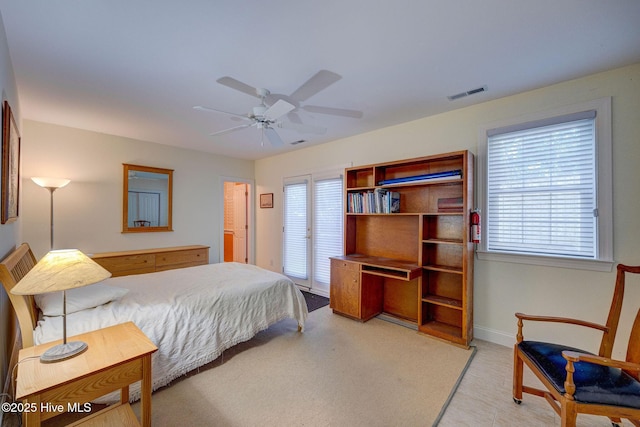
[(475, 226)]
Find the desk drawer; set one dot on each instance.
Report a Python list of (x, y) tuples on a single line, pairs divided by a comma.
[(89, 387), (354, 266)]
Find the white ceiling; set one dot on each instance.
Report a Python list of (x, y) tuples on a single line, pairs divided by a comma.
[(136, 68)]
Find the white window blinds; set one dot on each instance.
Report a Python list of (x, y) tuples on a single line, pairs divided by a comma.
[(327, 226), (541, 188), (296, 231)]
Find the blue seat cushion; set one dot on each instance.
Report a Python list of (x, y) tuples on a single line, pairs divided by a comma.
[(594, 383)]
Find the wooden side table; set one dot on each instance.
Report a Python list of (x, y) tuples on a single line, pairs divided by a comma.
[(117, 356)]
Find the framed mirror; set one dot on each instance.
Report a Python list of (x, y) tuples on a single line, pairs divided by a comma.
[(147, 199)]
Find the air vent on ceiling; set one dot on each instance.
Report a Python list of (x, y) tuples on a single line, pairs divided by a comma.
[(467, 93), (300, 141)]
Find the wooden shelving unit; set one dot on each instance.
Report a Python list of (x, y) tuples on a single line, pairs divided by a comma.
[(415, 264)]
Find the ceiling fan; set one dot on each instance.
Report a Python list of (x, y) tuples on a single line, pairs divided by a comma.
[(272, 107), (266, 119)]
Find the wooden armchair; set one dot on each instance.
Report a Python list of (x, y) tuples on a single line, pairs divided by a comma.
[(577, 381)]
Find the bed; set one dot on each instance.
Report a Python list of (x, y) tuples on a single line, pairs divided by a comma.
[(192, 314)]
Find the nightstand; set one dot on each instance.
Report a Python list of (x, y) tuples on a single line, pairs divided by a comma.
[(117, 356)]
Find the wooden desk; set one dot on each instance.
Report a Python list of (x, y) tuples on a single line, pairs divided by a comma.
[(364, 286), (117, 356)]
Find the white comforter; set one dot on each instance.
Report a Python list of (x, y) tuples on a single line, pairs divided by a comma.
[(191, 314)]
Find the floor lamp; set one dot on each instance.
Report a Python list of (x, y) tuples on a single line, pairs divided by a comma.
[(51, 184)]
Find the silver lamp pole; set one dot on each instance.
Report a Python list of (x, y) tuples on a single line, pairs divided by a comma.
[(51, 184)]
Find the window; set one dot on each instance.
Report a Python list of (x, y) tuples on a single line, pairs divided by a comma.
[(547, 188)]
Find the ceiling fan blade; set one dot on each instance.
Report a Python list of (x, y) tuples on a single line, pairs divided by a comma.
[(279, 109), (318, 82), (302, 127), (333, 111), (273, 136), (294, 117), (238, 85), (213, 110), (222, 132)]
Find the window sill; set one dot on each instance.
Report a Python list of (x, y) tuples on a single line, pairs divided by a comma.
[(573, 263)]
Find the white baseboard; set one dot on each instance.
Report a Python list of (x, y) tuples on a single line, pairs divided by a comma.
[(494, 336)]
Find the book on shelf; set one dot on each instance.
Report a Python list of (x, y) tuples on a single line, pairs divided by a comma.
[(450, 204), (424, 178), (394, 201), (379, 200)]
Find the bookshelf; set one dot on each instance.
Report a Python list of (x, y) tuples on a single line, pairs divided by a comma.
[(409, 255)]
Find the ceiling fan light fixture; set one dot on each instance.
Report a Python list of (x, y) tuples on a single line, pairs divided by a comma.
[(259, 110)]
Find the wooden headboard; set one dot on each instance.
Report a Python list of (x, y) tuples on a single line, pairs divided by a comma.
[(12, 269)]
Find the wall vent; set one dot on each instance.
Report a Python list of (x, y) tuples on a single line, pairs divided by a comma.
[(467, 93)]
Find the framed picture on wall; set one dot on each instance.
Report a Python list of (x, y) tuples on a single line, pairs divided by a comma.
[(266, 200), (10, 166)]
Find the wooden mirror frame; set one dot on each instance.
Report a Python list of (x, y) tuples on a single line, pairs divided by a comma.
[(127, 168)]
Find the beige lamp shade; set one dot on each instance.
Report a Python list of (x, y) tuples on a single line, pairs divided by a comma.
[(60, 270), (50, 182)]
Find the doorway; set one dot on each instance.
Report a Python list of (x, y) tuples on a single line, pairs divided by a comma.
[(312, 228), (236, 221)]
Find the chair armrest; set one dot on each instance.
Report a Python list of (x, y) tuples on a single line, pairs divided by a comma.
[(555, 319), (573, 356)]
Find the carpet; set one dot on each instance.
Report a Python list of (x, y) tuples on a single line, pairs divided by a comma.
[(339, 372), (314, 301)]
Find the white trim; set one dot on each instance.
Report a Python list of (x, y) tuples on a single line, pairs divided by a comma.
[(251, 213), (494, 336), (320, 171), (604, 181), (578, 264), (296, 179)]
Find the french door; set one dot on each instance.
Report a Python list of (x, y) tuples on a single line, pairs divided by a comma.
[(313, 218)]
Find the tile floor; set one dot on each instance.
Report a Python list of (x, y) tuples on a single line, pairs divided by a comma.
[(483, 398)]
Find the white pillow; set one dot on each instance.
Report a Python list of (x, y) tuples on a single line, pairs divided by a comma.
[(78, 298)]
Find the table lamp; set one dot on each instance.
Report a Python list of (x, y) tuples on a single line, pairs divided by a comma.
[(60, 270), (51, 184)]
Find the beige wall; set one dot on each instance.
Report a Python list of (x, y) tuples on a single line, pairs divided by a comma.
[(500, 288), (88, 211)]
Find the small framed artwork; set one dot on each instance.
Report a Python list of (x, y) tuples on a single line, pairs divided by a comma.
[(10, 168), (266, 200)]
